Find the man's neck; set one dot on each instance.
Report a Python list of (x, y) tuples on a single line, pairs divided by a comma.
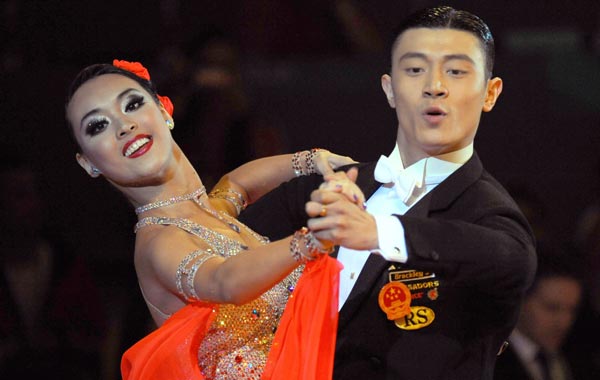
[(459, 156)]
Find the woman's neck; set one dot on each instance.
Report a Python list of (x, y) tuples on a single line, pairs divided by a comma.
[(183, 179)]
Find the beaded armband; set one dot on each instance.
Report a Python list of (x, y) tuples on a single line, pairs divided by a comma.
[(304, 246), (186, 272), (235, 197)]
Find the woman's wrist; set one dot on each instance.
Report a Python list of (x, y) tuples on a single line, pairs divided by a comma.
[(304, 246)]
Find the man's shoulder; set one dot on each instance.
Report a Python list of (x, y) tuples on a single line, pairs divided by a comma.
[(482, 181)]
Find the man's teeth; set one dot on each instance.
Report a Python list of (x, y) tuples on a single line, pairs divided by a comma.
[(136, 145)]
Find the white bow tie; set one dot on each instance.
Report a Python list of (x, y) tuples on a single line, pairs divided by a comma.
[(404, 182)]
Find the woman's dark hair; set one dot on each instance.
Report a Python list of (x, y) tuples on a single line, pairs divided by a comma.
[(448, 17), (95, 71)]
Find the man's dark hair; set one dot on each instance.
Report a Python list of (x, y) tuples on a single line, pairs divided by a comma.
[(557, 261), (447, 17)]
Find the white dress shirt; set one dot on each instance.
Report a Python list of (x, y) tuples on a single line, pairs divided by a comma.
[(386, 202)]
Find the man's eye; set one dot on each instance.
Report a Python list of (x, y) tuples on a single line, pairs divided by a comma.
[(95, 127), (456, 72), (413, 70)]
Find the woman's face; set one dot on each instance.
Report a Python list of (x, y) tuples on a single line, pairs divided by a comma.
[(121, 130)]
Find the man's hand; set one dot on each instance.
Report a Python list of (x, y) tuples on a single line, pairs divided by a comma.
[(338, 215)]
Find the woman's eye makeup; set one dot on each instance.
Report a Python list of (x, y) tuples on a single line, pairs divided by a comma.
[(96, 126), (134, 102)]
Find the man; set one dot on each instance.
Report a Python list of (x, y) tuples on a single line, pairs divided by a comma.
[(549, 310), (442, 256)]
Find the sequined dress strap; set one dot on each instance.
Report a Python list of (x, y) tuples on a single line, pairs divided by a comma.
[(220, 243)]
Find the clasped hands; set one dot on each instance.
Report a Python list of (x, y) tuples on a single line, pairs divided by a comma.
[(338, 214)]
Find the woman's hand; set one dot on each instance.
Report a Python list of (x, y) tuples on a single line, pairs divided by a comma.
[(338, 214), (344, 183), (326, 162)]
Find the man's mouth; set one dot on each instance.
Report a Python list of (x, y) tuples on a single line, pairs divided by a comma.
[(434, 111), (434, 115)]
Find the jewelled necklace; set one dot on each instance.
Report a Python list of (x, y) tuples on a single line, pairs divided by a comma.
[(194, 196)]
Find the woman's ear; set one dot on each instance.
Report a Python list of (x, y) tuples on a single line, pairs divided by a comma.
[(168, 118), (90, 169)]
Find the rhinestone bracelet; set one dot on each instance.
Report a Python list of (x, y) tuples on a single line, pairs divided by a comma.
[(310, 161), (297, 162), (304, 246)]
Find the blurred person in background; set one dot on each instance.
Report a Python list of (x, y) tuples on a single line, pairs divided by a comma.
[(51, 319), (536, 345)]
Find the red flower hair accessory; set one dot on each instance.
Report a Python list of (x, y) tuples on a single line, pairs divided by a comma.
[(139, 70), (167, 103)]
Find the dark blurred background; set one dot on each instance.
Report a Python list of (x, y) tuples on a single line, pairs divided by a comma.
[(257, 77)]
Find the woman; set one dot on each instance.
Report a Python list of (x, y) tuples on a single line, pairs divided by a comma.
[(215, 288)]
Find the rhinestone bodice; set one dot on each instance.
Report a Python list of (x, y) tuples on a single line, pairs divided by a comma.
[(237, 343)]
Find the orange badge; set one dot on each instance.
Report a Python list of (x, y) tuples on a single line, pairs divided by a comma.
[(394, 300)]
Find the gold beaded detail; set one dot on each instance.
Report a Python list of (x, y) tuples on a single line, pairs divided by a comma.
[(235, 197)]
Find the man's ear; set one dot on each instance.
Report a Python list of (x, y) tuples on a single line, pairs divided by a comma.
[(90, 169), (386, 85), (494, 89)]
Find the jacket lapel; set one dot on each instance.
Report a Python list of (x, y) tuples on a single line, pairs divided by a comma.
[(446, 192), (367, 279)]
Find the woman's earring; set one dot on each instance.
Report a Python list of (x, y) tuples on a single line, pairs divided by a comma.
[(170, 124), (96, 171)]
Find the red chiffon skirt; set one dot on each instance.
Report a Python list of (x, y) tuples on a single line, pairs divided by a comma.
[(302, 349)]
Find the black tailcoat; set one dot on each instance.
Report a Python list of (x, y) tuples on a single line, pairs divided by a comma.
[(470, 235)]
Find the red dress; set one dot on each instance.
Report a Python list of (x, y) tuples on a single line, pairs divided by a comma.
[(302, 347)]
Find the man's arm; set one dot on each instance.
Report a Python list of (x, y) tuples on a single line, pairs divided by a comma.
[(489, 245), (281, 211)]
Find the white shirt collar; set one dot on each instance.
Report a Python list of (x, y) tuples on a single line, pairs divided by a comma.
[(523, 346), (438, 167)]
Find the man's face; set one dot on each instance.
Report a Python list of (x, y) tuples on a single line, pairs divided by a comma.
[(439, 89), (550, 310)]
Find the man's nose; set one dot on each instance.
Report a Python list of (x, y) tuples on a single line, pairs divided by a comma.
[(435, 88)]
